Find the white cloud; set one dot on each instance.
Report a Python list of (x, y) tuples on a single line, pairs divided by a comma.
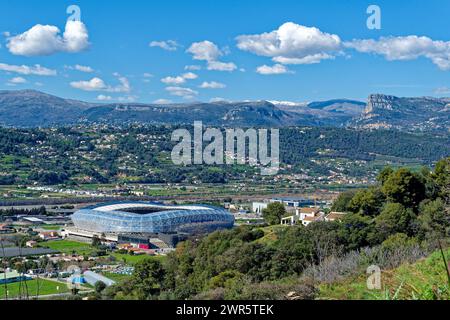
[(193, 67), (275, 69), (43, 40), (169, 45), (210, 52), (102, 97), (124, 86), (81, 68), (186, 93), (147, 77), (162, 101), (218, 99), (16, 80), (311, 59), (179, 79), (204, 50), (173, 80), (442, 90), (292, 44), (212, 85), (221, 66), (127, 99), (97, 84), (406, 48), (27, 70), (190, 76)]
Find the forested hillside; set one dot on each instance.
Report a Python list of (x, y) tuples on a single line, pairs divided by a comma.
[(103, 154)]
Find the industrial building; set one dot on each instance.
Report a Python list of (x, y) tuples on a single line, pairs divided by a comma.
[(92, 278), (12, 276)]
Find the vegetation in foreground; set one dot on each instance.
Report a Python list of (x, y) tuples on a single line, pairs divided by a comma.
[(393, 225), (425, 279)]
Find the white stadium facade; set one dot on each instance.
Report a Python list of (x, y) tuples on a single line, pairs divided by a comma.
[(148, 217)]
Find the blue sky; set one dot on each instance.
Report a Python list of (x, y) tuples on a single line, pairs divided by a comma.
[(272, 50)]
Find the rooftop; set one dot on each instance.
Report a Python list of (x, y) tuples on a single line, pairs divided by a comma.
[(335, 216), (9, 275), (143, 207), (309, 210)]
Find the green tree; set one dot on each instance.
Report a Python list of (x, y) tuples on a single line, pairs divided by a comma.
[(224, 279), (384, 174), (343, 200), (148, 277), (434, 219), (367, 202), (96, 242), (442, 178), (355, 231), (404, 187), (99, 287), (394, 218), (274, 212), (431, 186)]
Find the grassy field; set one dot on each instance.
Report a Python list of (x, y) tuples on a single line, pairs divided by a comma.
[(46, 287), (115, 276), (425, 279), (66, 246), (132, 259), (51, 227)]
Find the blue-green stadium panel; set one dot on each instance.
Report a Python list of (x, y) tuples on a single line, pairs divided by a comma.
[(139, 217)]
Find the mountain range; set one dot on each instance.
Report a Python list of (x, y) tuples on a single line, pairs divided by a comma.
[(30, 108)]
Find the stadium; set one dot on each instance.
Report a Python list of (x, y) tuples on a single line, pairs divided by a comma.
[(146, 217)]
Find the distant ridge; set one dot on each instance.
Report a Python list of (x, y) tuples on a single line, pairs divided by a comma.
[(422, 113), (31, 108)]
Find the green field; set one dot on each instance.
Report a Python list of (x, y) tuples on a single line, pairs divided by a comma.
[(51, 227), (66, 246), (115, 276), (132, 259), (46, 287), (424, 280)]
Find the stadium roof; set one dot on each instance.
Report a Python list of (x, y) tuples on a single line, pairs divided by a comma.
[(33, 219), (130, 205), (138, 217)]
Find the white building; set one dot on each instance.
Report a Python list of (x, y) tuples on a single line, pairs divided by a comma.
[(258, 207), (304, 216)]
